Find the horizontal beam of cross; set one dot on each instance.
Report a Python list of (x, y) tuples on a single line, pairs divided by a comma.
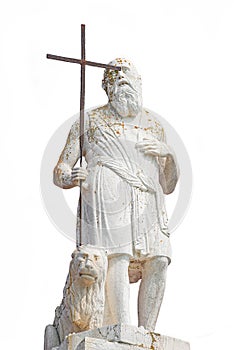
[(88, 63)]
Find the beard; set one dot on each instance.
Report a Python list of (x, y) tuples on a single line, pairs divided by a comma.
[(125, 100)]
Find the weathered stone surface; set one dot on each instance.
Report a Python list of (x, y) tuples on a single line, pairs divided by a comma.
[(82, 306), (165, 343), (129, 169), (99, 344), (124, 223), (121, 337), (168, 343)]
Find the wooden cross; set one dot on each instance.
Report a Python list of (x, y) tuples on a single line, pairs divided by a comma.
[(83, 64)]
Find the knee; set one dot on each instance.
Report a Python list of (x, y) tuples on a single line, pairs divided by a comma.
[(162, 262), (117, 283), (118, 260), (157, 265), (118, 266)]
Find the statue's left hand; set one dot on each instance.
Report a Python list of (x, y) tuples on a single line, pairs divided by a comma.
[(154, 148)]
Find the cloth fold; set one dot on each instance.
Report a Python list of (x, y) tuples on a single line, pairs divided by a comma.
[(139, 180)]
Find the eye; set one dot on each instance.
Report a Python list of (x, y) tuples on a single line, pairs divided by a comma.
[(125, 69), (82, 256), (111, 75), (112, 72)]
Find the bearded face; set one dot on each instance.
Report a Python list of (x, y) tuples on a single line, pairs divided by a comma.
[(123, 88)]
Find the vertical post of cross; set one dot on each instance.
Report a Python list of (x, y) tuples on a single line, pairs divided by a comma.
[(82, 107), (83, 62)]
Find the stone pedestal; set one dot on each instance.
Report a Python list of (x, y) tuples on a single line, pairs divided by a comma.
[(121, 337)]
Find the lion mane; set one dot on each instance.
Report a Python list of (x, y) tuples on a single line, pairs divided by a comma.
[(82, 306)]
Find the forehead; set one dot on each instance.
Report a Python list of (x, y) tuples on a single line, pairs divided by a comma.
[(123, 62), (88, 252)]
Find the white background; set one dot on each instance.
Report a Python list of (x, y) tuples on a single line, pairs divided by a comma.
[(184, 52)]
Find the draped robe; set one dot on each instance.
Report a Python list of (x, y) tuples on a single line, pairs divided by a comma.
[(123, 207)]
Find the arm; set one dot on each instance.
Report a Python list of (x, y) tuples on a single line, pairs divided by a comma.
[(168, 167), (68, 158), (168, 172)]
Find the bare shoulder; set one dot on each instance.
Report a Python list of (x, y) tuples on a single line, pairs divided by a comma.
[(98, 111), (74, 132), (152, 122), (75, 127)]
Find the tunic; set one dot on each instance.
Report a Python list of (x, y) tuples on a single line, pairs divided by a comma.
[(123, 207)]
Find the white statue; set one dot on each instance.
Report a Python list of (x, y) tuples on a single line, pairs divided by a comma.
[(82, 307), (129, 169)]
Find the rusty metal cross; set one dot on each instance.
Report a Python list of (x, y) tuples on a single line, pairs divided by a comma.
[(83, 64)]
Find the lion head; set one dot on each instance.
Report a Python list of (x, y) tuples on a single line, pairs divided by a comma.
[(88, 265), (82, 307)]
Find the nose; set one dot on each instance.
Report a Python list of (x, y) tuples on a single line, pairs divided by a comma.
[(121, 75), (88, 263)]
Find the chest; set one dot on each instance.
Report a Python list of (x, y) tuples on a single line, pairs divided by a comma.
[(122, 130)]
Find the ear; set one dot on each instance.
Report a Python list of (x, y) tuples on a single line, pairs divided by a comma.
[(74, 254), (104, 84)]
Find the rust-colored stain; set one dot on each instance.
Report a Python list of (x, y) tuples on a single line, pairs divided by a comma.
[(155, 340)]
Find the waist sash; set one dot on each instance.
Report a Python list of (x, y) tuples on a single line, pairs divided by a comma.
[(139, 180)]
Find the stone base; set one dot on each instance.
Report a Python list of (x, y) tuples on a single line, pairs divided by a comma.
[(121, 337)]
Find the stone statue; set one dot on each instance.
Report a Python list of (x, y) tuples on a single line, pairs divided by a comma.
[(129, 169), (82, 307)]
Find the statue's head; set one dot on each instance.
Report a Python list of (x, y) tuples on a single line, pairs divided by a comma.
[(123, 88)]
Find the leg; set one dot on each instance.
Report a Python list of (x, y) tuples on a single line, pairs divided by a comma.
[(117, 288), (107, 319), (151, 291)]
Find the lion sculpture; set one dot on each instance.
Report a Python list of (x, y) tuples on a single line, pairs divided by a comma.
[(82, 306)]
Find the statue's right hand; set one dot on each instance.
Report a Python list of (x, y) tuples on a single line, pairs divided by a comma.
[(78, 174)]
